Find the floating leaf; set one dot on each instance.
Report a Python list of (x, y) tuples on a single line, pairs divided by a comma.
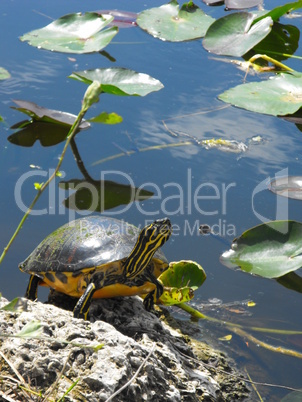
[(180, 280), (269, 250), (119, 81), (122, 19), (183, 273), (40, 113), (213, 2), (280, 95), (287, 186), (107, 118), (169, 23), (74, 33), (4, 74), (100, 195), (279, 11), (235, 34), (241, 4)]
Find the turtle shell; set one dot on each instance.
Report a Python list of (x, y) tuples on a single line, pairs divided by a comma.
[(84, 243)]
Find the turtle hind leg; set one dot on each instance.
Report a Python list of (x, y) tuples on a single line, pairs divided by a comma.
[(32, 287), (82, 307)]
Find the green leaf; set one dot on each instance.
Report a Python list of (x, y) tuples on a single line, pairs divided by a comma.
[(4, 74), (182, 274), (38, 186), (169, 23), (74, 33), (278, 96), (119, 81), (280, 43), (180, 280), (30, 330), (107, 118), (235, 34), (277, 12), (269, 250), (11, 306), (41, 114)]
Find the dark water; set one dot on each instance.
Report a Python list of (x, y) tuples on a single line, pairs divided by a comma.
[(192, 185)]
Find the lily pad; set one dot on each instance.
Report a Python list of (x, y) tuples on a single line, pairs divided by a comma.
[(4, 74), (119, 81), (235, 34), (269, 250), (287, 186), (122, 19), (279, 11), (42, 114), (180, 280), (170, 23), (74, 33), (278, 96), (241, 4)]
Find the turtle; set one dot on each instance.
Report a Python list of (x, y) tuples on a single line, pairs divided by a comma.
[(100, 257)]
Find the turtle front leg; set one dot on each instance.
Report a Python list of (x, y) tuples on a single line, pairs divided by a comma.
[(153, 296), (32, 287), (82, 307)]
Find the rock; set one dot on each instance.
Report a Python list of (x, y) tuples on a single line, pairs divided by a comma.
[(175, 370)]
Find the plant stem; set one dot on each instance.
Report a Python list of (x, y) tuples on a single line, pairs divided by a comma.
[(197, 314), (70, 136), (270, 59)]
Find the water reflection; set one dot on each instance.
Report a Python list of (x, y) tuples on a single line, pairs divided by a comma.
[(33, 73)]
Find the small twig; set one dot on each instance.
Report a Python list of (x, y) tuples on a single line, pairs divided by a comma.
[(253, 385), (18, 375), (91, 96), (133, 378), (21, 379), (6, 397)]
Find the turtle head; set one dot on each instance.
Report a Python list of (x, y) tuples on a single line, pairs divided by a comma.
[(151, 238)]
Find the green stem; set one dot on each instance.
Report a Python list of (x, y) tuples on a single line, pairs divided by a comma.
[(197, 314), (70, 136), (270, 59)]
